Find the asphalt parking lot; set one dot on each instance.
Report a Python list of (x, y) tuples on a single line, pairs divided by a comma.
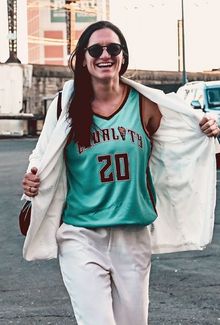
[(185, 287)]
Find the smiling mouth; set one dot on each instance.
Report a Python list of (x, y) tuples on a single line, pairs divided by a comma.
[(105, 65)]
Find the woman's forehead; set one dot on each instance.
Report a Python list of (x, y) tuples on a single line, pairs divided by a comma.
[(103, 36)]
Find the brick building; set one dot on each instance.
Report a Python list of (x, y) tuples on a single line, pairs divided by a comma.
[(54, 27)]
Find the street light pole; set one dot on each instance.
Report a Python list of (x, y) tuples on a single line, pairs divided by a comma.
[(12, 29), (184, 76)]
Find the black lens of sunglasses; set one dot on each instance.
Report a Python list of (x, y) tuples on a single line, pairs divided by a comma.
[(114, 49), (96, 50)]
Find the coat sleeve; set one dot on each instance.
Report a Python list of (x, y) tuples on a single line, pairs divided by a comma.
[(48, 128)]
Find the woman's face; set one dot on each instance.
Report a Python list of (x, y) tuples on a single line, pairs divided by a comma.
[(105, 67)]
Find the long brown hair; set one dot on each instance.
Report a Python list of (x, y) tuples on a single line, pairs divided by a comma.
[(80, 111)]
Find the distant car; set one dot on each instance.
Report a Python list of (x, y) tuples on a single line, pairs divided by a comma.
[(203, 95)]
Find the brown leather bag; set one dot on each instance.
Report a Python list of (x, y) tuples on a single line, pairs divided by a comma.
[(25, 217)]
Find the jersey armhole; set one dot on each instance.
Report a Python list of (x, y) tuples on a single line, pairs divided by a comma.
[(141, 117)]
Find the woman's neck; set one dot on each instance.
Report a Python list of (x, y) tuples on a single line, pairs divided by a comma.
[(104, 91), (108, 97)]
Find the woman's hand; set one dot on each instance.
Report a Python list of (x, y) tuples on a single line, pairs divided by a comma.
[(31, 183), (209, 126)]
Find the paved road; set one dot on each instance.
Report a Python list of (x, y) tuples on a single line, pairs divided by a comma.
[(185, 287)]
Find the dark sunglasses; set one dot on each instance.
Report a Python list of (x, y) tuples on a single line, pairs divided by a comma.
[(96, 50)]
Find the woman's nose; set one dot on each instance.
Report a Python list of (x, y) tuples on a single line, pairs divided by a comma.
[(105, 53)]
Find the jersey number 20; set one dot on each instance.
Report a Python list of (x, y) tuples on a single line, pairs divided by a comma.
[(120, 161)]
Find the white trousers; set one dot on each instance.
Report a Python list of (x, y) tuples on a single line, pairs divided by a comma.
[(106, 273)]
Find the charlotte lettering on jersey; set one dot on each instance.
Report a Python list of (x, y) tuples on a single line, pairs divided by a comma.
[(112, 134)]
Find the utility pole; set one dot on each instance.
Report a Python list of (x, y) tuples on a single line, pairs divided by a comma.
[(184, 76), (73, 7), (12, 31), (68, 28), (71, 24)]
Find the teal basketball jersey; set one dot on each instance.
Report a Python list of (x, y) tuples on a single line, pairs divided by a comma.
[(108, 183)]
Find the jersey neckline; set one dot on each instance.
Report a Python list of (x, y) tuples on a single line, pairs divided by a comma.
[(118, 109)]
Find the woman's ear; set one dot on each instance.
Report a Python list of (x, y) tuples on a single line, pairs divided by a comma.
[(123, 60), (84, 63)]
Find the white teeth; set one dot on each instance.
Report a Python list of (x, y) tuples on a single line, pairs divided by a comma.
[(100, 65)]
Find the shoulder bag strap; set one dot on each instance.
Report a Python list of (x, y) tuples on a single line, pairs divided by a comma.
[(59, 106)]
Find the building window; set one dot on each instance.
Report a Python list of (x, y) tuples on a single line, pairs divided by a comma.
[(57, 11)]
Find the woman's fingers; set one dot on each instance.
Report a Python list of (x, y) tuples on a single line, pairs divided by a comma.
[(27, 182), (31, 191), (209, 126), (31, 183), (34, 170)]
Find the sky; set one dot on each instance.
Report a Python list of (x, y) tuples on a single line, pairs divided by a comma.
[(150, 28)]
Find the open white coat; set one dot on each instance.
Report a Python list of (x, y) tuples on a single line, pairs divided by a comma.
[(182, 165)]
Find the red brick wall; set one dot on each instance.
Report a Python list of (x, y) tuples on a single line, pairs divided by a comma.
[(54, 53)]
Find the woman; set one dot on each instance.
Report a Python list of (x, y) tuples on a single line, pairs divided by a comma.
[(109, 200)]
